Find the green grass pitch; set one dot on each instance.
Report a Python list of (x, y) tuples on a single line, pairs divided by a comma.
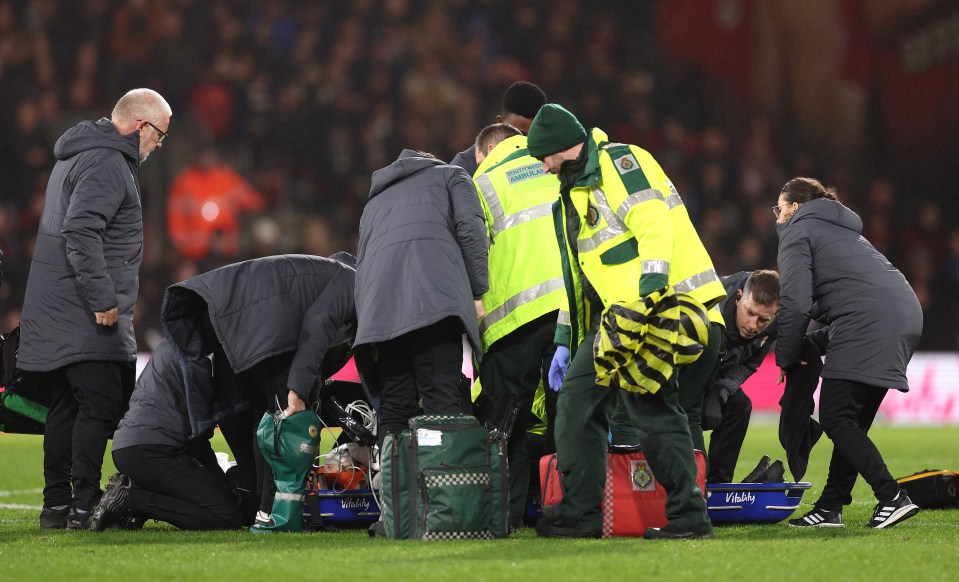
[(925, 547)]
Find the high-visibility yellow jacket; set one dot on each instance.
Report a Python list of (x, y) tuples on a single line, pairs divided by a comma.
[(525, 271), (635, 235)]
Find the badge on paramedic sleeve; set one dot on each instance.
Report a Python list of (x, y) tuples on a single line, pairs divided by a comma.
[(592, 215), (626, 164), (642, 476), (313, 431)]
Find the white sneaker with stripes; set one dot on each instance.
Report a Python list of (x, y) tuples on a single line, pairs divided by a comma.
[(892, 512), (818, 517)]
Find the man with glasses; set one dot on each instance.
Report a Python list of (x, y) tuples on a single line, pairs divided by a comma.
[(77, 341)]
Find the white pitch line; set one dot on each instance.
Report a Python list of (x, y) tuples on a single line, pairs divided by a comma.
[(20, 492), (20, 506)]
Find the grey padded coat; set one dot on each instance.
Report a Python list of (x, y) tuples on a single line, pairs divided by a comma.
[(87, 254), (831, 273), (422, 251)]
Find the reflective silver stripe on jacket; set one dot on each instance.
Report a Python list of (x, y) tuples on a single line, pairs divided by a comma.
[(517, 218), (672, 199), (288, 497), (522, 298), (638, 198), (614, 226), (563, 318), (696, 281), (655, 266), (502, 222)]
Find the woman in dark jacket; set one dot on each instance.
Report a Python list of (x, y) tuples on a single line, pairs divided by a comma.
[(831, 273)]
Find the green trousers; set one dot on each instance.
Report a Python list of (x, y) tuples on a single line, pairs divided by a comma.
[(693, 380), (516, 364), (581, 446)]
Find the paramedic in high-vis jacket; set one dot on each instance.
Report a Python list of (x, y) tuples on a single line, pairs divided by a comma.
[(627, 234), (526, 293)]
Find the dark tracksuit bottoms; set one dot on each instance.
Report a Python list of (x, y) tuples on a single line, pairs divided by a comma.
[(424, 365), (89, 399), (846, 411), (581, 443), (182, 492), (516, 364), (726, 442), (264, 384)]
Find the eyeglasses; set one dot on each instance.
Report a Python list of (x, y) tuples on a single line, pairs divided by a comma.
[(777, 209), (160, 132)]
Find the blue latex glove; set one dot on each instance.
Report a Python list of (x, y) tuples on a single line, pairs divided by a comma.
[(558, 368)]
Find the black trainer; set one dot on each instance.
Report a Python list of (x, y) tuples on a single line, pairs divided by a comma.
[(78, 519), (548, 528), (54, 517), (671, 532), (890, 513), (818, 517), (114, 505), (757, 474)]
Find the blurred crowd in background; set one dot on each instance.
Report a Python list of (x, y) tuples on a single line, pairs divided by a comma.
[(284, 108)]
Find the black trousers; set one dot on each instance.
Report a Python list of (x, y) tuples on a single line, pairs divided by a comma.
[(846, 411), (169, 485), (263, 385), (88, 401), (422, 366), (515, 365), (726, 442)]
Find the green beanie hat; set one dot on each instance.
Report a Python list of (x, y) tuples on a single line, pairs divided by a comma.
[(554, 129)]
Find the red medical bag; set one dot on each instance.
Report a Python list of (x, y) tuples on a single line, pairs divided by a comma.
[(632, 499)]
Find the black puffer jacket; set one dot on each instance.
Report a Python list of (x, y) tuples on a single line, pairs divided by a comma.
[(260, 308), (831, 273), (87, 254)]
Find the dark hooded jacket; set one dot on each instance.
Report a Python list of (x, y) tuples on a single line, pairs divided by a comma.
[(422, 250), (260, 308), (158, 411), (831, 273), (466, 159), (87, 254), (740, 357)]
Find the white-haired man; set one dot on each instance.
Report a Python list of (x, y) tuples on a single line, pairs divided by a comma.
[(77, 337)]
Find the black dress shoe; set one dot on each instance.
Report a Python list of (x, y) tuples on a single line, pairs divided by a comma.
[(671, 532), (759, 473), (547, 528)]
